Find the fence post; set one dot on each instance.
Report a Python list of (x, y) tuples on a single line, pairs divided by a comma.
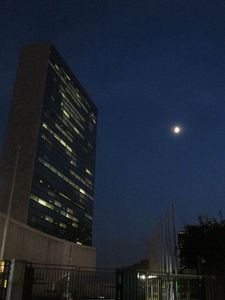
[(16, 280), (127, 285)]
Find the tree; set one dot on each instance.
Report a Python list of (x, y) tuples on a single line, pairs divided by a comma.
[(202, 247)]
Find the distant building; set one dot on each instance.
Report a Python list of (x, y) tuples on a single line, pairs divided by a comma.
[(52, 132), (139, 266)]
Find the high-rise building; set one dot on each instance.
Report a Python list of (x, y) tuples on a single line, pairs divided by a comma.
[(50, 148)]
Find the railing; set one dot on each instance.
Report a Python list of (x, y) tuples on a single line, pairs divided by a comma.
[(63, 282), (52, 282), (4, 276)]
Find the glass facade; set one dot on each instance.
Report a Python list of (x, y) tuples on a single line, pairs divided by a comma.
[(62, 193)]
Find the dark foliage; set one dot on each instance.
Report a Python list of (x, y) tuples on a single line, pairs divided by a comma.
[(202, 247)]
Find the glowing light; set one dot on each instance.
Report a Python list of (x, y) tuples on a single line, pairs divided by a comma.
[(5, 283), (177, 130), (152, 276), (2, 267)]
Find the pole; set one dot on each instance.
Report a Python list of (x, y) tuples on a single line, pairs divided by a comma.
[(6, 225), (174, 238), (174, 250)]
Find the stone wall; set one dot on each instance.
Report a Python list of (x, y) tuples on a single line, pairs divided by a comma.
[(26, 243)]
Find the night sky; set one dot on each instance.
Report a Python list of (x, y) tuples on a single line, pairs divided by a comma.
[(148, 65)]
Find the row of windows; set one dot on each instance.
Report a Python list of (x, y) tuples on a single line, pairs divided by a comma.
[(69, 153), (37, 223), (67, 133), (74, 93), (52, 207), (85, 181), (69, 216), (57, 203), (93, 118), (63, 195), (80, 179), (89, 172), (57, 137), (63, 132), (69, 126), (67, 117), (88, 216), (65, 103), (65, 178), (50, 219), (45, 138), (73, 163)]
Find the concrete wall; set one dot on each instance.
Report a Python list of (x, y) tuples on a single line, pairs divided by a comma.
[(26, 243), (23, 128)]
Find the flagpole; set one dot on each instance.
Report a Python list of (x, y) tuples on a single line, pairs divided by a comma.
[(7, 218)]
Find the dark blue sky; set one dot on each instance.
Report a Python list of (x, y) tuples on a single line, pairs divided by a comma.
[(147, 64)]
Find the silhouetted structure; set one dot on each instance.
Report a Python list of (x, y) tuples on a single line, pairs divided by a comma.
[(202, 248), (141, 265)]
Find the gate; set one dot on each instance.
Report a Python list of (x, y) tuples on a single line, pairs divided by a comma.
[(4, 277)]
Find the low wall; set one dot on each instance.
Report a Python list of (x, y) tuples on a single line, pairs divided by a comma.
[(26, 243)]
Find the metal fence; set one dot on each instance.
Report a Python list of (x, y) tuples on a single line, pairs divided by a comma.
[(4, 276), (51, 282), (58, 282)]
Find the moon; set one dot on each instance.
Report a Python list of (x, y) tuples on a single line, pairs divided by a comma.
[(177, 130)]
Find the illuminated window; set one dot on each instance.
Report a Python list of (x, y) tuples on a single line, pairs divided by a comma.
[(2, 266), (57, 137), (80, 179), (73, 163), (5, 283), (69, 216), (65, 178), (89, 172), (82, 191), (66, 113), (74, 93), (80, 206), (57, 203), (93, 118), (88, 216), (63, 132), (49, 219), (69, 210), (65, 196), (74, 128), (41, 201), (62, 225), (69, 110), (89, 181), (67, 123)]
